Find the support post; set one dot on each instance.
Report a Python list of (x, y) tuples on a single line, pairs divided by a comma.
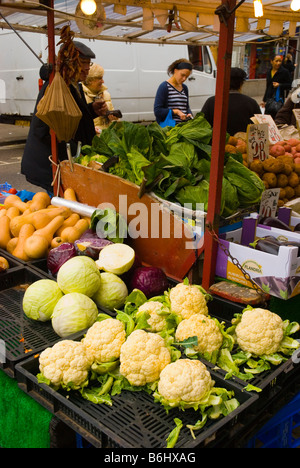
[(219, 137)]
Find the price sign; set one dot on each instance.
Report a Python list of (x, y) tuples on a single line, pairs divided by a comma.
[(257, 142), (269, 202), (274, 134)]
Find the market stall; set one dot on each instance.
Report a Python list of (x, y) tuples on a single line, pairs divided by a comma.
[(144, 422)]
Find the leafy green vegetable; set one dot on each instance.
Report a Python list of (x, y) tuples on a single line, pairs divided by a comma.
[(174, 434)]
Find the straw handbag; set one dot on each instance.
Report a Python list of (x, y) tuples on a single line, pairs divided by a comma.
[(59, 110)]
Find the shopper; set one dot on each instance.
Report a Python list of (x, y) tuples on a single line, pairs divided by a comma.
[(289, 65), (240, 107), (277, 76), (35, 164), (94, 89), (173, 93)]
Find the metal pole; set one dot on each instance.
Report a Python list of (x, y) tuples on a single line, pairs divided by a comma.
[(219, 138)]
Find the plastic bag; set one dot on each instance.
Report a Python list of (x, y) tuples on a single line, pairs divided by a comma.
[(274, 104), (169, 121)]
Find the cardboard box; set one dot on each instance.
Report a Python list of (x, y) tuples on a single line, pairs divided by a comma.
[(278, 275)]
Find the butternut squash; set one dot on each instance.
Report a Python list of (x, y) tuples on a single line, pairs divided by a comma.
[(4, 265), (14, 200), (49, 230), (11, 245), (5, 234), (69, 194), (12, 212), (40, 201), (36, 246), (56, 241), (71, 234), (69, 222), (17, 222), (3, 212), (26, 231)]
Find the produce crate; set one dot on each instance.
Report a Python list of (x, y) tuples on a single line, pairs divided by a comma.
[(224, 309), (40, 264), (282, 430), (12, 261), (134, 420), (21, 336)]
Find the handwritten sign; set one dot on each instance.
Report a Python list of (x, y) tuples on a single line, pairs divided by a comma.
[(274, 134), (269, 202), (257, 142)]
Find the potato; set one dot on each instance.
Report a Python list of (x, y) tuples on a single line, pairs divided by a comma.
[(270, 178), (293, 141), (282, 194), (232, 141), (273, 165), (230, 149), (289, 191), (276, 150), (282, 180), (293, 179), (257, 166), (297, 191)]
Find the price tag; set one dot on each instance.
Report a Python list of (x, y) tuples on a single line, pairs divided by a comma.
[(257, 142), (274, 134), (269, 202)]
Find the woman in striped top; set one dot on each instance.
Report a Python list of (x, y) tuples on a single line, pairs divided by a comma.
[(173, 93)]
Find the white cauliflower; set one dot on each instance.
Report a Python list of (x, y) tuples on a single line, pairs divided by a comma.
[(186, 380), (65, 363), (143, 357), (187, 300), (205, 328), (104, 339), (259, 331), (156, 321)]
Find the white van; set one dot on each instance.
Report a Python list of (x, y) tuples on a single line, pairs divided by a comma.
[(133, 73)]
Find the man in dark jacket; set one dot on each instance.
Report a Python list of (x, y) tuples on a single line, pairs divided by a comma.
[(36, 165), (240, 107)]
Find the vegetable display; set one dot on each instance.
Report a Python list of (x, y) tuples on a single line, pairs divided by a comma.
[(174, 163)]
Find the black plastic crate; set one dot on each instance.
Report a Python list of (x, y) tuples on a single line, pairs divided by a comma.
[(21, 335), (39, 264), (224, 310), (134, 420)]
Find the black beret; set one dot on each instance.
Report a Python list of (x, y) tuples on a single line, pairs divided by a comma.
[(84, 51)]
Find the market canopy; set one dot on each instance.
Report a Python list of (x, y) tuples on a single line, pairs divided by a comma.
[(190, 22)]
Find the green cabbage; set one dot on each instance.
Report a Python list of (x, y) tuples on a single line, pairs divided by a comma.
[(111, 293), (40, 298), (79, 274), (116, 258), (73, 312)]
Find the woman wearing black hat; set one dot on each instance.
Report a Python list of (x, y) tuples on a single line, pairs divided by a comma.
[(173, 94), (36, 165), (240, 107)]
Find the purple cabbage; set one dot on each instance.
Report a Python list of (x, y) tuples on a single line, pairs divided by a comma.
[(152, 281), (59, 255), (90, 246)]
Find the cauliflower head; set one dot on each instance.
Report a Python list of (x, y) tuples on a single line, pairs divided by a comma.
[(185, 380), (205, 328), (65, 363), (156, 322), (187, 300), (259, 331), (104, 339), (143, 357)]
